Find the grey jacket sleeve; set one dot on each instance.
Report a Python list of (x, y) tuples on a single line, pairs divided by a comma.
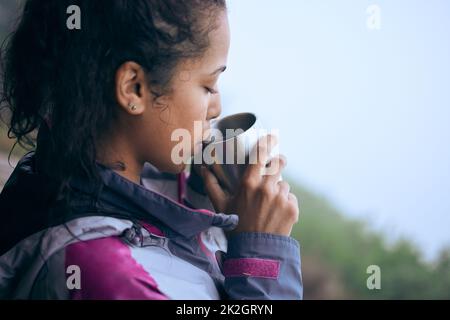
[(260, 266), (256, 266)]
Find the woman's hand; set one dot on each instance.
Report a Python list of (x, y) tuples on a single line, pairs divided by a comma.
[(262, 202)]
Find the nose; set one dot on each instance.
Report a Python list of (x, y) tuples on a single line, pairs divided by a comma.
[(215, 107)]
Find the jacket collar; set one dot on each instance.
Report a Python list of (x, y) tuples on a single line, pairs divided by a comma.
[(120, 193)]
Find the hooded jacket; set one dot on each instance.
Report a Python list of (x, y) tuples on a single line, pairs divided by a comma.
[(159, 239)]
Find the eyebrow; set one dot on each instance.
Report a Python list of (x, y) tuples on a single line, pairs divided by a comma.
[(219, 70)]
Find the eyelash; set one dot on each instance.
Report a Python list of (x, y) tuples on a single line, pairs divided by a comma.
[(211, 91)]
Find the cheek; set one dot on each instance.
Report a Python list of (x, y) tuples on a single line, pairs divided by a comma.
[(190, 108), (184, 109), (191, 116)]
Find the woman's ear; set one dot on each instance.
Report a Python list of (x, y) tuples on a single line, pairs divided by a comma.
[(132, 90)]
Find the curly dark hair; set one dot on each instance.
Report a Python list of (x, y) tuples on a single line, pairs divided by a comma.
[(68, 76)]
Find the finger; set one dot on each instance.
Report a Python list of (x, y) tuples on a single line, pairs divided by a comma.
[(219, 173), (273, 171), (284, 188), (294, 201), (293, 198), (214, 190), (260, 155), (196, 168)]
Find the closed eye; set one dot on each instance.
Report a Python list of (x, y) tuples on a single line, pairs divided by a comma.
[(211, 90)]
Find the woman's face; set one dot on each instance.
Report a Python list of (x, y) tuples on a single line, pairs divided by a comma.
[(194, 97)]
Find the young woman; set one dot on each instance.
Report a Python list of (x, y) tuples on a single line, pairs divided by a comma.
[(98, 209)]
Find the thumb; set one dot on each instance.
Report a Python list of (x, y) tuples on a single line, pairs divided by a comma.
[(215, 192)]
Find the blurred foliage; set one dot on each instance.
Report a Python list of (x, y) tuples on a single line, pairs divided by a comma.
[(7, 144), (339, 250)]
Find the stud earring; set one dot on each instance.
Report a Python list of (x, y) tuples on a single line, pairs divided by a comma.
[(132, 106)]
